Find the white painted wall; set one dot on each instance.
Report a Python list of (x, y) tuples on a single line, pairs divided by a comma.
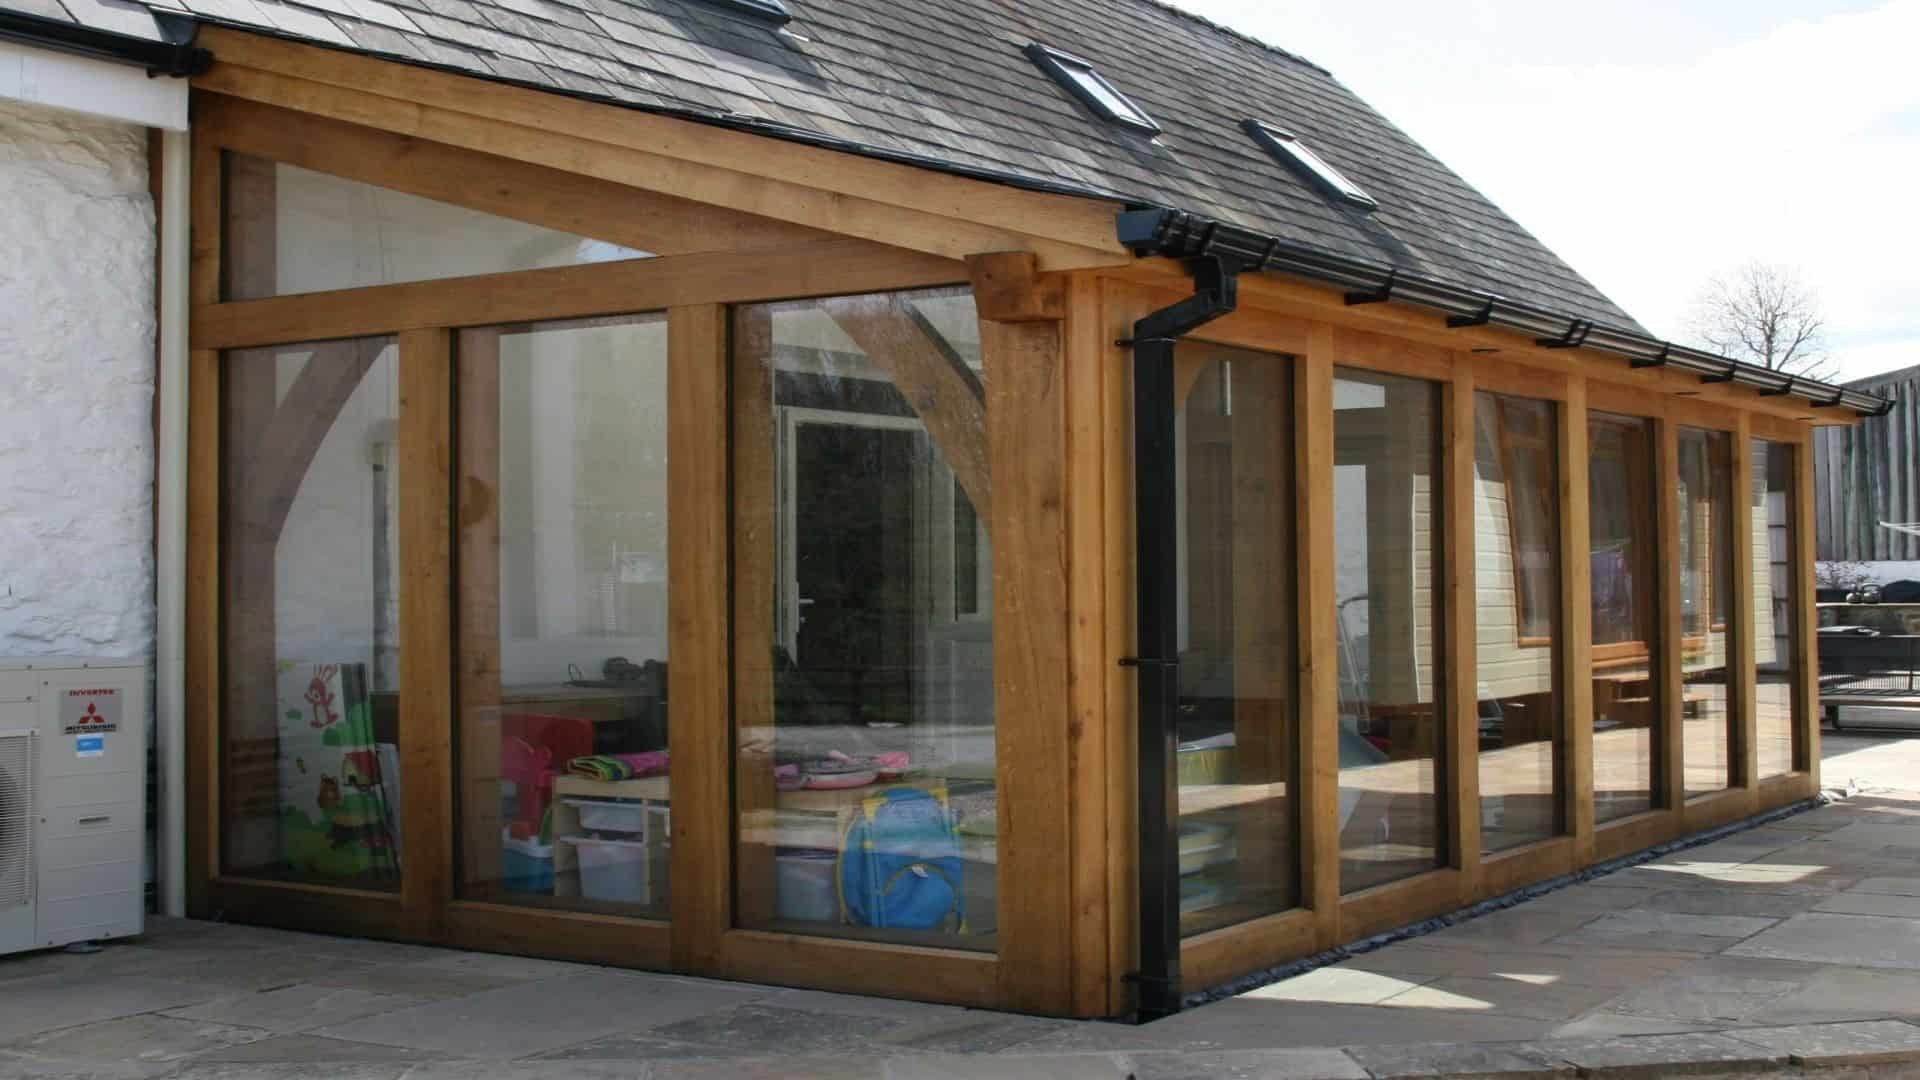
[(77, 246)]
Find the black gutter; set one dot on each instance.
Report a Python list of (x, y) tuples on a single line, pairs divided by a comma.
[(1181, 235), (176, 57), (1156, 525)]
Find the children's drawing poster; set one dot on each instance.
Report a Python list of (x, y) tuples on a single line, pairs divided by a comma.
[(336, 809)]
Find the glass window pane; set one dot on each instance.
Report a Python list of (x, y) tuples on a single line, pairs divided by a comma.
[(864, 672), (310, 776), (1234, 428), (1706, 584), (1517, 573), (1626, 613), (563, 750), (1387, 596), (291, 230), (1775, 589)]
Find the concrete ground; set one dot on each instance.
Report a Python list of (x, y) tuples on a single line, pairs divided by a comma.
[(1793, 948)]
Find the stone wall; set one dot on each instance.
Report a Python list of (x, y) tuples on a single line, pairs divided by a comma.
[(77, 242)]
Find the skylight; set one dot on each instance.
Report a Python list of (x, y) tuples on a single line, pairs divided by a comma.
[(1092, 88), (1300, 157), (771, 10)]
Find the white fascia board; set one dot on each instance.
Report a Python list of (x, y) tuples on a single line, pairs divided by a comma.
[(95, 87)]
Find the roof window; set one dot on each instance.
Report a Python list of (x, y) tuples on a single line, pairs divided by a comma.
[(1092, 88), (772, 11), (1300, 157)]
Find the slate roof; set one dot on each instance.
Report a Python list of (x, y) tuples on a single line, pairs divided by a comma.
[(946, 80)]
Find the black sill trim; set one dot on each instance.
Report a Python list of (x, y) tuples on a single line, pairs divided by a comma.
[(1180, 235), (178, 58)]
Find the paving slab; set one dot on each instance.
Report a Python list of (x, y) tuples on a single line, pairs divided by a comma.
[(296, 1008), (1893, 886), (1458, 1059), (756, 1030), (1886, 905), (1867, 1043), (313, 1050), (1302, 1064), (49, 1002), (1596, 1024), (1632, 1057), (148, 1038), (1539, 1000), (1709, 901), (1054, 1067), (531, 1017), (1513, 927), (1857, 940), (1847, 993), (1588, 967), (21, 1066), (1341, 985), (781, 1068), (418, 980), (1691, 997), (1240, 1024)]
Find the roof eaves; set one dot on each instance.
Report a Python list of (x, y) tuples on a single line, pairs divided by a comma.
[(1151, 231)]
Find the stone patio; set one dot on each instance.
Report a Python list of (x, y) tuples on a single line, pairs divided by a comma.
[(1785, 949)]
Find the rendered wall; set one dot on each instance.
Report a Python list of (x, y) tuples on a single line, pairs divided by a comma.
[(76, 386)]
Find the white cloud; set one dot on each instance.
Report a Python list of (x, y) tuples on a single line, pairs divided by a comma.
[(1649, 169)]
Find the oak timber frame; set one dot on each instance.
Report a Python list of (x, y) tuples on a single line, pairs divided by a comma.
[(737, 218)]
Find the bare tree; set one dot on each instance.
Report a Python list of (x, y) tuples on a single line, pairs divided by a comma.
[(1763, 314)]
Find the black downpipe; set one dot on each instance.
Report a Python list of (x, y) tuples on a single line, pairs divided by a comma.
[(1216, 287)]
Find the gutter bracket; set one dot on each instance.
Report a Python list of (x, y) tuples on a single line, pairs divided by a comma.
[(1575, 336), (1478, 318), (1653, 361), (1375, 296), (1782, 391), (1720, 377)]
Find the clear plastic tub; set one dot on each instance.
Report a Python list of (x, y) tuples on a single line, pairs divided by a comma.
[(805, 889), (526, 865), (609, 815), (621, 871)]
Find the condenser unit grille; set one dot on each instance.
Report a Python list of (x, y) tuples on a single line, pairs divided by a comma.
[(16, 819)]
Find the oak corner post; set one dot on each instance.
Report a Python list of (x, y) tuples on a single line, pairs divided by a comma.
[(1022, 340)]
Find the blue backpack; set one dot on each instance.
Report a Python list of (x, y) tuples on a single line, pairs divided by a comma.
[(900, 863)]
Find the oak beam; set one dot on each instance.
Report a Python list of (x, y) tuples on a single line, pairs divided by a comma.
[(834, 266), (551, 198)]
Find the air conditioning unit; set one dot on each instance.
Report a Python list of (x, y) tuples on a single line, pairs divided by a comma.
[(73, 752)]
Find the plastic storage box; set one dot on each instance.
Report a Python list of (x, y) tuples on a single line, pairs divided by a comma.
[(526, 866), (609, 815), (804, 885), (621, 871)]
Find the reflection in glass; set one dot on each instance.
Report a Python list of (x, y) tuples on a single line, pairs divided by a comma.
[(1774, 601), (292, 230), (1706, 598), (1387, 567), (864, 670), (1237, 661), (563, 749), (310, 777), (1516, 538), (1625, 578)]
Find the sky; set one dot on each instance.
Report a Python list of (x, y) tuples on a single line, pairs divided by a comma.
[(1655, 143)]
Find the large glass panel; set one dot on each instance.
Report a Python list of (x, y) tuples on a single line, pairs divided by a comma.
[(1706, 597), (1775, 597), (1516, 540), (563, 759), (1236, 594), (864, 630), (292, 230), (1386, 493), (310, 668), (1626, 613)]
